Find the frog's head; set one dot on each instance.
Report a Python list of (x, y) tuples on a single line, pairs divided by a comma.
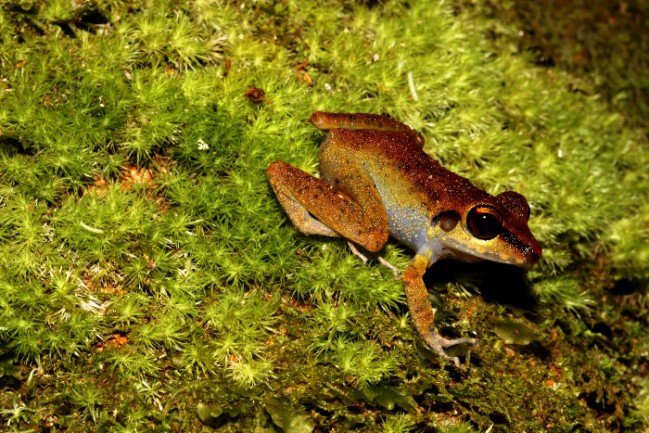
[(492, 228)]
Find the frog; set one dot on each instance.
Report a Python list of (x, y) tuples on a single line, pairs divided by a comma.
[(377, 182)]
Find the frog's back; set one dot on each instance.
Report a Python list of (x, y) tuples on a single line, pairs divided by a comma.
[(396, 162)]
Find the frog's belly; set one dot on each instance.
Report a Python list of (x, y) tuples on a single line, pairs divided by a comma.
[(407, 219), (407, 225)]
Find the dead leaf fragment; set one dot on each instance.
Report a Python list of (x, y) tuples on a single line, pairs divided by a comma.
[(287, 417), (255, 94), (512, 332), (133, 176)]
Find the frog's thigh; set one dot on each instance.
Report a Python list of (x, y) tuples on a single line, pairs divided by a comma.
[(336, 213), (285, 180), (340, 167)]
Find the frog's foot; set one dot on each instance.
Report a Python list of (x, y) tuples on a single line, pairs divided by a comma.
[(437, 343), (381, 260)]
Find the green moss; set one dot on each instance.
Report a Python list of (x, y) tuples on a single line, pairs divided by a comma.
[(150, 280)]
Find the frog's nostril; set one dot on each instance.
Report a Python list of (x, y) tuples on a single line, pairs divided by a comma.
[(532, 258)]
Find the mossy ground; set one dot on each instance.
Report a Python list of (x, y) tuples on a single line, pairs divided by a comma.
[(150, 281)]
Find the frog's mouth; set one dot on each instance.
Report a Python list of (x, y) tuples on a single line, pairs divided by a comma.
[(471, 256), (463, 256), (493, 251)]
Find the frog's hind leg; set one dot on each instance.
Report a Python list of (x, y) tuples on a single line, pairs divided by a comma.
[(327, 121), (355, 121), (314, 207), (283, 179)]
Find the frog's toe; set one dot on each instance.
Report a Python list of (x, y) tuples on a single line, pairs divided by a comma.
[(455, 341), (357, 253), (390, 266), (437, 343)]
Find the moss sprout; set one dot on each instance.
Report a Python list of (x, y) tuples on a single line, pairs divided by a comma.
[(147, 271)]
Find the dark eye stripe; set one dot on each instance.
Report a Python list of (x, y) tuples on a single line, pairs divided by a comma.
[(512, 240)]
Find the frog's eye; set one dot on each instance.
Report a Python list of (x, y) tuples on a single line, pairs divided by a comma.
[(484, 222)]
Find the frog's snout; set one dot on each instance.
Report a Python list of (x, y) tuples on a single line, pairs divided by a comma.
[(532, 254)]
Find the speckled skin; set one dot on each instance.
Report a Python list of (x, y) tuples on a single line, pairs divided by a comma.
[(377, 181)]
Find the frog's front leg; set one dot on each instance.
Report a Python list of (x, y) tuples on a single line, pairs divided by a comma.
[(421, 310)]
